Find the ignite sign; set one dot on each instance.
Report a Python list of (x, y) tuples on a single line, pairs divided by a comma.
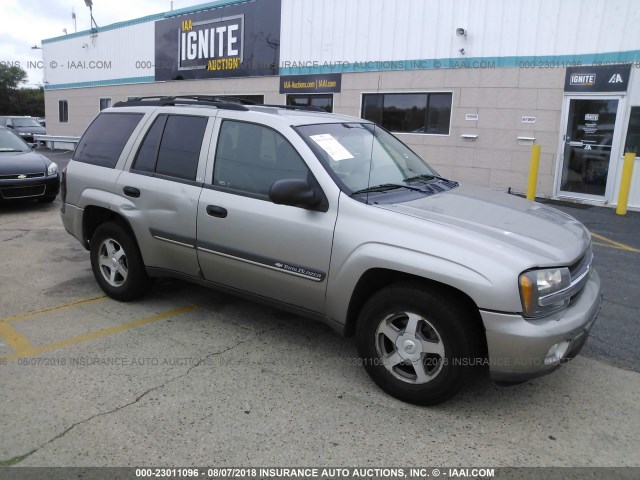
[(598, 78), (237, 40), (212, 45)]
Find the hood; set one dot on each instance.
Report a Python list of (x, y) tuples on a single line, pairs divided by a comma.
[(22, 162), (551, 235), (37, 130)]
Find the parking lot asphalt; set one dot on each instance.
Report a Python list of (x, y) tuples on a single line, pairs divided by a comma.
[(188, 376)]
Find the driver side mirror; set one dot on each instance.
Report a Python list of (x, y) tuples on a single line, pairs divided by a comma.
[(295, 192)]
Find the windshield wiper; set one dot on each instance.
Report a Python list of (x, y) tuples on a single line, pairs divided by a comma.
[(423, 177), (385, 187)]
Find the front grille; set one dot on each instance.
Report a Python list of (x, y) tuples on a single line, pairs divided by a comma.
[(581, 264), (580, 268), (22, 192), (17, 176)]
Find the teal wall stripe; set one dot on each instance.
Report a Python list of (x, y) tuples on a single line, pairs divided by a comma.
[(101, 83), (545, 61)]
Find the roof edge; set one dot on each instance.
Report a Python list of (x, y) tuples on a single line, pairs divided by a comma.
[(149, 18)]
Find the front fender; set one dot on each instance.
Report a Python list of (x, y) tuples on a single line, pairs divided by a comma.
[(344, 277)]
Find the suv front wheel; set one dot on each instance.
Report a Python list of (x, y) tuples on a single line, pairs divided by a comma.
[(117, 264), (415, 343)]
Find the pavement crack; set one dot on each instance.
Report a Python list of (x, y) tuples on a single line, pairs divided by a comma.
[(22, 233), (17, 459)]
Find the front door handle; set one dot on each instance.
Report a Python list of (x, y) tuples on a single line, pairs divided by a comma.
[(216, 211), (131, 192)]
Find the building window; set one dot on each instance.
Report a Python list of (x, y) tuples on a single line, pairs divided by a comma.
[(324, 102), (409, 112), (63, 111), (105, 103), (257, 99), (633, 133)]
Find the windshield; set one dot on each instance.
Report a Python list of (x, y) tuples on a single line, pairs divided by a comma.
[(25, 122), (10, 142), (363, 155)]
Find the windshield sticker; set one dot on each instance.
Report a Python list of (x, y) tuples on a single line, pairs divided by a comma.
[(332, 146)]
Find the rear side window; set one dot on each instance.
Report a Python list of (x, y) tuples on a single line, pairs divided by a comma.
[(148, 153), (172, 146), (105, 138)]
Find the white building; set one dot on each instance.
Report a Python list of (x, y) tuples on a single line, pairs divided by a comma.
[(468, 84)]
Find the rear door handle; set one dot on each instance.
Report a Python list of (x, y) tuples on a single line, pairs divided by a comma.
[(131, 192), (216, 211)]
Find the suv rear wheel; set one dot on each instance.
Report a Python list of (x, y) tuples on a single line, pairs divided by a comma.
[(117, 263), (415, 343)]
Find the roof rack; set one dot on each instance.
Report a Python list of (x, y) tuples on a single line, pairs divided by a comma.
[(294, 107), (154, 101)]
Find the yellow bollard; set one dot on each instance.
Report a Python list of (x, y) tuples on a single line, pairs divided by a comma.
[(533, 172), (625, 183)]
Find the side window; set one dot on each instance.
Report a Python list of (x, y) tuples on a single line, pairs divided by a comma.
[(250, 158), (105, 138), (172, 146), (180, 147), (148, 153)]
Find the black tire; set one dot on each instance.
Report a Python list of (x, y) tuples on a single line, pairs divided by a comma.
[(48, 199), (429, 367), (117, 264)]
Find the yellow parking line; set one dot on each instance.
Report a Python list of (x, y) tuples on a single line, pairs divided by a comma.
[(22, 316), (614, 244), (101, 333), (15, 340)]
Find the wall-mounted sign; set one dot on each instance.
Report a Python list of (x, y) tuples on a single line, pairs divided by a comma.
[(471, 117), (602, 78), (328, 83), (526, 140), (232, 41), (528, 119)]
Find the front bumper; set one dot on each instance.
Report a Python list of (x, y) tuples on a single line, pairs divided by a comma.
[(518, 348), (17, 189)]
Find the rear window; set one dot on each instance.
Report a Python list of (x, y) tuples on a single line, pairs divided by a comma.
[(105, 138)]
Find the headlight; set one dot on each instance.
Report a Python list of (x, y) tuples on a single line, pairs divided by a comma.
[(53, 169), (537, 285), (24, 134)]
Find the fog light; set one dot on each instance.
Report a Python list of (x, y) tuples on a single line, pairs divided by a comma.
[(557, 352)]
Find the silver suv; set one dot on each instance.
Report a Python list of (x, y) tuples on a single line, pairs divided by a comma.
[(335, 219)]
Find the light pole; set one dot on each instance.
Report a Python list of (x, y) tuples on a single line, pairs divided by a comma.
[(94, 25)]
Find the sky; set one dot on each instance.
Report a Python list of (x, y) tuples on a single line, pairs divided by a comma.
[(24, 23)]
